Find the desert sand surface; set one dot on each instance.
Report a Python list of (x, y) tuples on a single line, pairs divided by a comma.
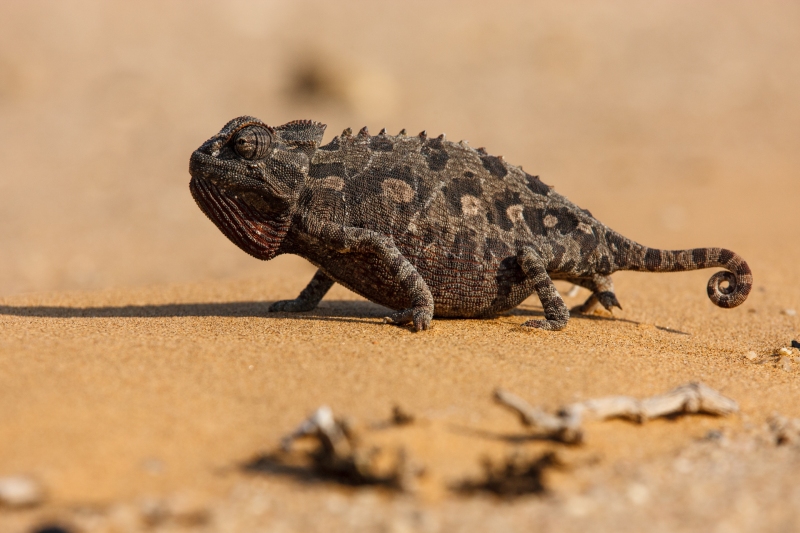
[(144, 385)]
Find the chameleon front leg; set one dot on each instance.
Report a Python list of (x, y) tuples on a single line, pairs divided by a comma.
[(602, 288), (555, 311), (309, 298), (403, 274)]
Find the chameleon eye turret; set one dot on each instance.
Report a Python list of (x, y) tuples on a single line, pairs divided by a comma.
[(252, 142)]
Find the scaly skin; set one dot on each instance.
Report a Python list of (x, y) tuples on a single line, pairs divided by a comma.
[(421, 225)]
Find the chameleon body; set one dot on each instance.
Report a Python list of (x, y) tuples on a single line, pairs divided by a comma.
[(421, 225)]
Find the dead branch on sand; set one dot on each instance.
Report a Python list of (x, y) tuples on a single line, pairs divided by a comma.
[(341, 455), (565, 425)]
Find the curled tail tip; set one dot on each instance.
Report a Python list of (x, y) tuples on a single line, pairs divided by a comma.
[(728, 289)]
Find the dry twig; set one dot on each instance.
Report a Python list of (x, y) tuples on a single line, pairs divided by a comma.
[(565, 426), (342, 456)]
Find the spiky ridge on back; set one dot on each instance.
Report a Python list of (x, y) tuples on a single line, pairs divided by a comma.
[(458, 214)]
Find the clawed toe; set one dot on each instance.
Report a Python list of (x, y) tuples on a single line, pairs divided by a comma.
[(420, 316), (400, 317), (548, 325), (608, 300), (602, 300)]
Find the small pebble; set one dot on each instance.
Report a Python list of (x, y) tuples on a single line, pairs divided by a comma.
[(790, 312), (20, 491), (787, 364), (796, 344), (785, 351), (751, 356)]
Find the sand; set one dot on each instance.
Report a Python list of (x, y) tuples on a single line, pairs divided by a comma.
[(140, 372)]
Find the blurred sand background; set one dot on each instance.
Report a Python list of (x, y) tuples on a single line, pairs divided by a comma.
[(137, 360)]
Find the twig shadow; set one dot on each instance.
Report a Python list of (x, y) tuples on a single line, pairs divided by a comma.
[(318, 470), (513, 477), (510, 438)]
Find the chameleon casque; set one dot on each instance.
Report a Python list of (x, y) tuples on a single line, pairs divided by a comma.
[(424, 226)]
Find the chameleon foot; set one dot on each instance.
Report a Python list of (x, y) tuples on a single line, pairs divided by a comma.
[(549, 325), (420, 316), (606, 299)]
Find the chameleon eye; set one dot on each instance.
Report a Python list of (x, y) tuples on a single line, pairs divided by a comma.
[(252, 142)]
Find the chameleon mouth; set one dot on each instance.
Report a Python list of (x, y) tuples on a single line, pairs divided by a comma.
[(250, 230), (213, 169)]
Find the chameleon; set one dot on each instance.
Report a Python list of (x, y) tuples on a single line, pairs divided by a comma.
[(421, 225)]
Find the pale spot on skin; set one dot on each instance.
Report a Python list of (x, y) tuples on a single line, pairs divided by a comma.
[(470, 205), (584, 227), (514, 213), (397, 190), (333, 182), (550, 221)]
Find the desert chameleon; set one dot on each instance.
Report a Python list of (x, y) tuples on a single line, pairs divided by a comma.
[(421, 225)]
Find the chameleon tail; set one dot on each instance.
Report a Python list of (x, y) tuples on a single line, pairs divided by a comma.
[(726, 289)]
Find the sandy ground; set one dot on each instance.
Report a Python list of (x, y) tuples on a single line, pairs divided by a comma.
[(140, 373)]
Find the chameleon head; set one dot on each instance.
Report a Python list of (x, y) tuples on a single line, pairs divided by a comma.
[(246, 179)]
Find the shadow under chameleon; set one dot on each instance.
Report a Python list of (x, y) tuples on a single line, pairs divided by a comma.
[(330, 310)]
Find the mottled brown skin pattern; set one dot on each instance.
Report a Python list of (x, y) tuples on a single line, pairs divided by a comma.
[(421, 225)]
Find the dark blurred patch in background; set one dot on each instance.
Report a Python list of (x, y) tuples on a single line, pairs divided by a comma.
[(675, 122)]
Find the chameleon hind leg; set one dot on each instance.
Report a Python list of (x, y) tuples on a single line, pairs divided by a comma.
[(309, 298), (602, 293), (555, 311)]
